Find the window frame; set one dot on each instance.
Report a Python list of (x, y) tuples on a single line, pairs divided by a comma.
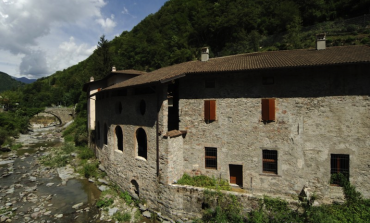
[(270, 157), (210, 157)]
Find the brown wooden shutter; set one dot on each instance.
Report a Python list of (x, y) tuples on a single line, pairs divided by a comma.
[(272, 109), (206, 110), (265, 109), (212, 110)]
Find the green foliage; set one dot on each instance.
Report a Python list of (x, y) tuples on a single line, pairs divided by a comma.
[(125, 217), (8, 83), (105, 202), (85, 153), (60, 158), (204, 181), (16, 146), (90, 169), (127, 197)]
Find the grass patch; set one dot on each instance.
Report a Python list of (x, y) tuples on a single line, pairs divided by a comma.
[(122, 217), (204, 181), (90, 169), (85, 153), (105, 202), (127, 197), (16, 146)]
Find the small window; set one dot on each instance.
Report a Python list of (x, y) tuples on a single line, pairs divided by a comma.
[(142, 107), (209, 110), (270, 160), (119, 137), (211, 158), (268, 109), (267, 80), (339, 163), (141, 138), (209, 84)]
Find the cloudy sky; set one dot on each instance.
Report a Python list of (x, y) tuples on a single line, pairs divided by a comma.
[(39, 37)]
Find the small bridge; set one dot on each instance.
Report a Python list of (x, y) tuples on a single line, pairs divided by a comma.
[(63, 114)]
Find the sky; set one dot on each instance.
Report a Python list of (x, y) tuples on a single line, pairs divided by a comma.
[(40, 37)]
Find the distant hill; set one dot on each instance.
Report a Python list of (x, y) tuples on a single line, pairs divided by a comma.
[(8, 83), (25, 80)]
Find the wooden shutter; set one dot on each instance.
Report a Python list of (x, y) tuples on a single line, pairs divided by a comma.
[(265, 109), (210, 110), (268, 109), (271, 109), (206, 109)]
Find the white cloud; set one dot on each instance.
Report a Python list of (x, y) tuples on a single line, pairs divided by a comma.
[(125, 11), (23, 23), (107, 24), (69, 53)]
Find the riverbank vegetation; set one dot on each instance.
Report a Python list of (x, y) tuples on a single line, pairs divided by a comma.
[(224, 208)]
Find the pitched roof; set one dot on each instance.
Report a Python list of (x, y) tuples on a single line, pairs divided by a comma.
[(113, 73), (256, 61)]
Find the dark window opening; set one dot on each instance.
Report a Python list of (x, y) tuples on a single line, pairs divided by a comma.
[(119, 136), (270, 160), (135, 188), (118, 107), (267, 80), (211, 158), (210, 110), (268, 109), (105, 134), (141, 143), (142, 107), (209, 84), (339, 164), (173, 106)]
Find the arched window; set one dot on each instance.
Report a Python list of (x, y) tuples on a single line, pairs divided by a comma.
[(105, 134), (135, 188), (141, 143), (119, 137)]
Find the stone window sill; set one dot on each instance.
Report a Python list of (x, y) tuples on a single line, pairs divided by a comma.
[(269, 175), (140, 158)]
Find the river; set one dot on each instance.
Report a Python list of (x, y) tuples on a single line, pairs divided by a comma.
[(31, 192)]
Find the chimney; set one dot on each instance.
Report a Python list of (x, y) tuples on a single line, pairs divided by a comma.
[(320, 41), (113, 69), (205, 54), (91, 79)]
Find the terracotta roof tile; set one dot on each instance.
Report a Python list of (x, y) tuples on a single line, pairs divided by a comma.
[(255, 61)]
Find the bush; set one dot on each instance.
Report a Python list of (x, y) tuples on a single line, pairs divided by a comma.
[(204, 181), (85, 153), (118, 216), (90, 170), (127, 197), (105, 202)]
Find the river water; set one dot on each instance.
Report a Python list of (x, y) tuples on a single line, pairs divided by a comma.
[(30, 192)]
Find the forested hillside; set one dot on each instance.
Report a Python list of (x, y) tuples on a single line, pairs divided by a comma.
[(8, 83), (181, 27)]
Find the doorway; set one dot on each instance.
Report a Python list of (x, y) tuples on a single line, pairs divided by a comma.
[(236, 174)]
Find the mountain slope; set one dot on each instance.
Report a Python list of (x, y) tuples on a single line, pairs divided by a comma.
[(8, 83), (25, 80)]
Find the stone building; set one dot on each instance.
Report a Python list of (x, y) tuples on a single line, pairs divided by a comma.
[(269, 122)]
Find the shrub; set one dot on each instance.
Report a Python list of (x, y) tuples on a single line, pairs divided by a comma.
[(204, 181), (127, 197), (90, 170), (85, 153), (105, 202), (125, 217)]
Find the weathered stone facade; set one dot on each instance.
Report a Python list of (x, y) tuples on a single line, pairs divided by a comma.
[(319, 111)]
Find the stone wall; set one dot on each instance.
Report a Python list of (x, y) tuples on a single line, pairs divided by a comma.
[(319, 112)]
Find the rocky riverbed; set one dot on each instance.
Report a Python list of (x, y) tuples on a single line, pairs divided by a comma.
[(31, 192)]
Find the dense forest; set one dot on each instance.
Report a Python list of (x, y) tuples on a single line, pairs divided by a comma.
[(8, 83), (181, 27)]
